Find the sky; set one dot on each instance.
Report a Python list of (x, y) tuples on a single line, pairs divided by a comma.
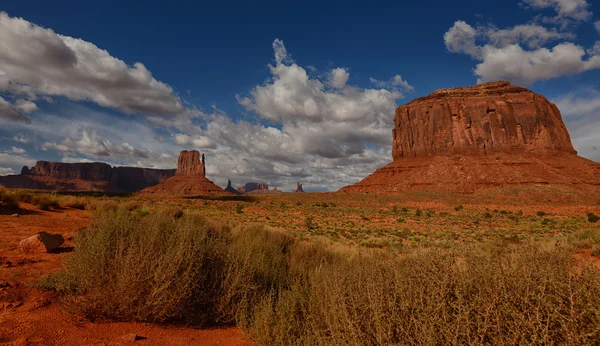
[(273, 92)]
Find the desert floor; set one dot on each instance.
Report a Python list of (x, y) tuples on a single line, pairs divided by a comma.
[(30, 316)]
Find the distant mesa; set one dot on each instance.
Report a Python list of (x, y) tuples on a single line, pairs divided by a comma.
[(298, 187), (94, 176), (230, 188), (489, 135), (189, 179), (256, 188)]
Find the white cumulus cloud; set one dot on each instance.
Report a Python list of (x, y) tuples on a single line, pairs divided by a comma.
[(36, 61), (501, 55)]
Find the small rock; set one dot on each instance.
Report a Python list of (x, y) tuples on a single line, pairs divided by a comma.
[(132, 337), (41, 242), (15, 215)]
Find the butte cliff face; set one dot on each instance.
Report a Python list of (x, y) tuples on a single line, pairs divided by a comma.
[(488, 135), (489, 118), (189, 163), (189, 180), (96, 176)]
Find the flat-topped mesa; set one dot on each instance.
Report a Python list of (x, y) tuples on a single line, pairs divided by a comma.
[(488, 118), (86, 176), (94, 171), (189, 163), (249, 187)]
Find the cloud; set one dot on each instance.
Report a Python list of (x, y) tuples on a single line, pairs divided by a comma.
[(26, 106), (20, 138), (36, 61), (502, 56), (91, 144), (15, 160), (394, 82), (338, 78), (16, 150), (597, 26), (580, 112), (525, 67), (8, 111), (298, 128), (568, 12), (6, 171), (532, 35), (198, 142)]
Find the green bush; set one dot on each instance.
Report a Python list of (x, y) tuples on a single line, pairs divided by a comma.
[(593, 218), (418, 212)]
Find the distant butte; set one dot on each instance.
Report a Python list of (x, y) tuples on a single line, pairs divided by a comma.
[(93, 176), (489, 135), (189, 180)]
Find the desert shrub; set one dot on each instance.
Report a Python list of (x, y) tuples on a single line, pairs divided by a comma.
[(593, 217), (308, 223), (73, 202), (7, 199), (541, 213), (281, 291), (45, 202), (459, 207), (162, 268), (130, 205), (585, 239), (519, 294), (418, 212), (239, 208), (102, 205)]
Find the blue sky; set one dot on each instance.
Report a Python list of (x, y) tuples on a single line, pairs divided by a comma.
[(272, 92)]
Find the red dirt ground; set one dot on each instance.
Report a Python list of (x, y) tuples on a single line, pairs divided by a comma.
[(30, 316)]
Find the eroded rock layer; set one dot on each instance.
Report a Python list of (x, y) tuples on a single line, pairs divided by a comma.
[(489, 135)]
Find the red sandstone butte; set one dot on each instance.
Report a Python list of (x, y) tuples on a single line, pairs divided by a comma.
[(189, 179), (189, 163), (489, 135)]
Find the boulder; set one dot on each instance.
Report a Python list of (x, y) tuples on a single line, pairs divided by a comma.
[(42, 242)]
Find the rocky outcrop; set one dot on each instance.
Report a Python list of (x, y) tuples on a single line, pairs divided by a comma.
[(253, 187), (189, 163), (298, 187), (489, 135), (94, 176), (230, 188), (190, 179)]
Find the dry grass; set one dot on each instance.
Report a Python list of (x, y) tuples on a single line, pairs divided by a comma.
[(284, 290)]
